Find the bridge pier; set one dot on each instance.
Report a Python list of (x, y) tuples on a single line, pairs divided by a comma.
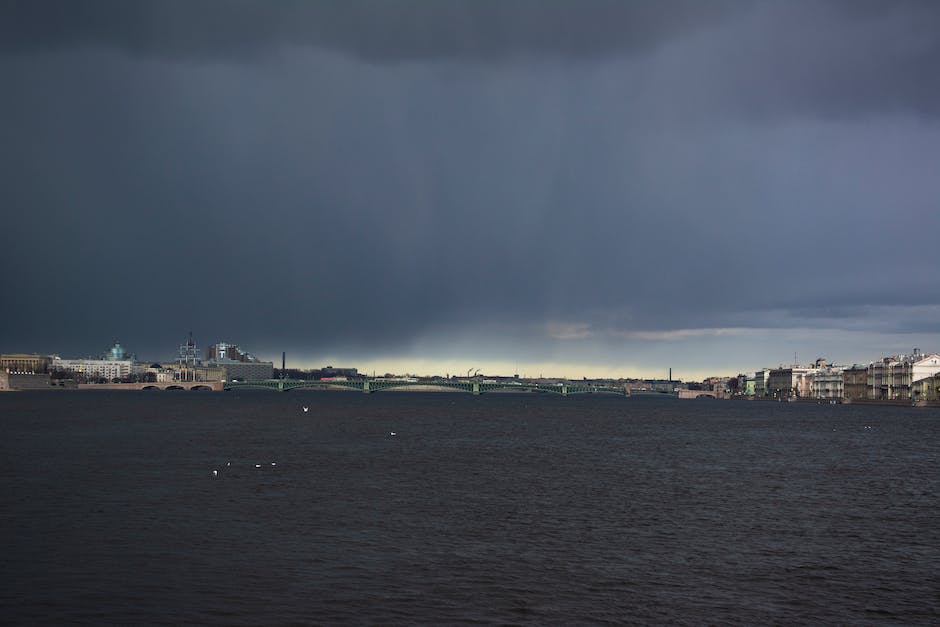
[(564, 390), (366, 388), (476, 388)]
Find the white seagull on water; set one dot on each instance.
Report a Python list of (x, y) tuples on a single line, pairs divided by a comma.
[(306, 409)]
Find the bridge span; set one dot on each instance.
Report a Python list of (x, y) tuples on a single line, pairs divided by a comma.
[(473, 387), (215, 386), (366, 385)]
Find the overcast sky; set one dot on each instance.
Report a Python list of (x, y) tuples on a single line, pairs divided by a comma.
[(561, 188)]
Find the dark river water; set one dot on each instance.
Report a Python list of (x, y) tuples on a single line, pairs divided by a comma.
[(496, 509)]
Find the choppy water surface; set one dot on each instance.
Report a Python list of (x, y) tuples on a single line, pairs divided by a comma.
[(519, 509)]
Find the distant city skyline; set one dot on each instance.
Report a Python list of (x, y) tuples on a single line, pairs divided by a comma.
[(587, 188)]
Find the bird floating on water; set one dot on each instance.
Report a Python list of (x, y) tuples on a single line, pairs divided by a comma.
[(306, 409), (257, 465), (392, 433), (215, 473)]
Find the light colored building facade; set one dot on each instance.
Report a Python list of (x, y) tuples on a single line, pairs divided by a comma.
[(927, 389), (201, 373), (162, 375), (923, 372), (828, 383), (791, 382), (893, 378), (97, 368), (23, 362), (115, 363)]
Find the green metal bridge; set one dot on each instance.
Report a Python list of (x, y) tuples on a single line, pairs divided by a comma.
[(376, 385)]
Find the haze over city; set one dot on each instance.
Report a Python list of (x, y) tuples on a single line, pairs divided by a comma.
[(593, 188)]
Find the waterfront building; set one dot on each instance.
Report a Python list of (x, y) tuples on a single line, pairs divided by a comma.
[(166, 372), (926, 389), (855, 383), (24, 362), (828, 383), (163, 375), (760, 383), (224, 351), (203, 372), (238, 364), (247, 371), (791, 382), (97, 368), (115, 363), (892, 378)]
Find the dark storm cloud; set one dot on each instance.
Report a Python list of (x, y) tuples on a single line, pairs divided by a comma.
[(765, 59), (370, 29), (833, 59)]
